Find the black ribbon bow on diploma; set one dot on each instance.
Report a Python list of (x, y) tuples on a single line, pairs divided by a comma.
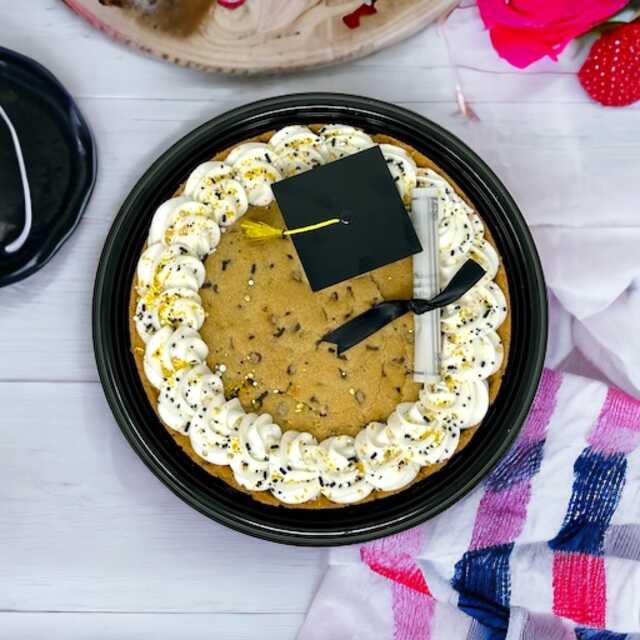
[(367, 323)]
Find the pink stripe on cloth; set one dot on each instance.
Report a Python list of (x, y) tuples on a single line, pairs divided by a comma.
[(579, 588), (501, 516), (395, 559), (501, 513), (543, 406), (617, 429), (412, 614)]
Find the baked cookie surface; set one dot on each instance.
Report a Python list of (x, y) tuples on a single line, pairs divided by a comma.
[(263, 327)]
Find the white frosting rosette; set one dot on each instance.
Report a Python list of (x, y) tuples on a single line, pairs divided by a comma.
[(293, 466), (294, 473)]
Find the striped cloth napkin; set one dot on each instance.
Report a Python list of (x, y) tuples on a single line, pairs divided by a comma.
[(546, 548)]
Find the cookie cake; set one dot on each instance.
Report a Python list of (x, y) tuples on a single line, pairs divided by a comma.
[(227, 335)]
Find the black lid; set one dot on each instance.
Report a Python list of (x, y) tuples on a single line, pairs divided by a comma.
[(59, 158)]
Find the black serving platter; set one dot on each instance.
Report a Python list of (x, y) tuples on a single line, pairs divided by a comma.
[(60, 159), (357, 523)]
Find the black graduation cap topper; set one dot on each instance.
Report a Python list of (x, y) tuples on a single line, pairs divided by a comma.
[(360, 192), (346, 218)]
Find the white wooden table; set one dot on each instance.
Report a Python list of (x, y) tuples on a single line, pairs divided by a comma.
[(91, 544)]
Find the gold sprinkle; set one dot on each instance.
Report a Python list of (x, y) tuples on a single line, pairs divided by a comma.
[(247, 299)]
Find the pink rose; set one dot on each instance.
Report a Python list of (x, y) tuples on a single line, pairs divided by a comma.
[(523, 31)]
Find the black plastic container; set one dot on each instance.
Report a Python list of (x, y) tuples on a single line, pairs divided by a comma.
[(344, 525)]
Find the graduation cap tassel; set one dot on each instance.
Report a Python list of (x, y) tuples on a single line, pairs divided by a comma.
[(256, 230)]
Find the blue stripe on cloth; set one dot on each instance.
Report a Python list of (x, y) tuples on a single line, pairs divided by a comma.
[(595, 634), (597, 484), (484, 585), (478, 631), (521, 463)]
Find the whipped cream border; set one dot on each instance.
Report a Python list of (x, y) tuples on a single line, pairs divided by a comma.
[(294, 466)]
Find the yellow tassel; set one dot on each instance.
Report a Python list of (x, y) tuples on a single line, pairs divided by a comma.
[(263, 231), (260, 230)]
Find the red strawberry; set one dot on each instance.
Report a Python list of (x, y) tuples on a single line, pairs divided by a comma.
[(611, 72)]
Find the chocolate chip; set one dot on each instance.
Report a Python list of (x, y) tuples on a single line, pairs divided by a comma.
[(225, 264), (207, 285), (291, 369), (278, 332), (372, 347), (257, 402)]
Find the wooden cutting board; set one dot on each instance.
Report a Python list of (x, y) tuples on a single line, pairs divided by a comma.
[(268, 36)]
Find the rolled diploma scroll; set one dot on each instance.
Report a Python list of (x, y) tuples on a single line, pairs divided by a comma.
[(426, 284)]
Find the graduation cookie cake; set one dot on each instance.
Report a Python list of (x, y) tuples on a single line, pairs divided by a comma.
[(229, 332)]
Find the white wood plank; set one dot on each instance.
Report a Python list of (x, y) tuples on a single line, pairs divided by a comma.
[(84, 526), (148, 626)]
